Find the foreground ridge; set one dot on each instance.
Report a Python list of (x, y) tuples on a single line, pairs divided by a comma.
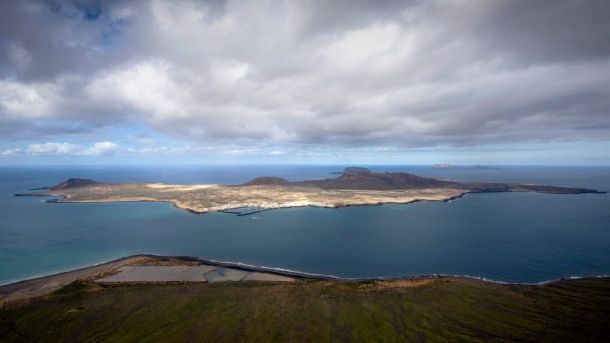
[(100, 305)]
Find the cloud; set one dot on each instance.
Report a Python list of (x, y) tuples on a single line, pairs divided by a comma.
[(10, 152), (100, 148), (20, 57), (52, 149), (21, 100), (62, 149), (335, 73)]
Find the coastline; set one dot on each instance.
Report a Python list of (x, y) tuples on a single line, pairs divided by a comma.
[(43, 285), (429, 309), (231, 209), (64, 199)]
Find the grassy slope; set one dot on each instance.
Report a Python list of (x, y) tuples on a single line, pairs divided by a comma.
[(442, 310)]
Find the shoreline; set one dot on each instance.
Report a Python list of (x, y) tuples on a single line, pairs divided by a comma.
[(355, 187), (64, 199), (43, 285)]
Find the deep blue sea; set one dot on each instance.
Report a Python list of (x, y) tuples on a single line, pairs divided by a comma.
[(513, 237)]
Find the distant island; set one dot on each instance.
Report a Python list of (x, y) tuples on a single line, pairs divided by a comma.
[(452, 166), (355, 186), (352, 170)]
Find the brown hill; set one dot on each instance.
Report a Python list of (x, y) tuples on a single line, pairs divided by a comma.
[(75, 183), (361, 178), (355, 170), (268, 181), (379, 181)]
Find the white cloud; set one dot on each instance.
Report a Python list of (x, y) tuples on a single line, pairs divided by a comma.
[(227, 72), (100, 148), (52, 149), (161, 150), (19, 99), (245, 151), (145, 87), (11, 152), (363, 48), (63, 149)]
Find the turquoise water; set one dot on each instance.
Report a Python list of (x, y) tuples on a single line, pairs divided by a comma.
[(516, 237)]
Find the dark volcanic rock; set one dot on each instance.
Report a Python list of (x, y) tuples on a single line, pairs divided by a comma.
[(364, 179), (489, 187), (553, 189), (380, 181), (268, 181), (75, 183)]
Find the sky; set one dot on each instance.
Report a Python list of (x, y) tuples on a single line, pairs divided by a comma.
[(305, 82)]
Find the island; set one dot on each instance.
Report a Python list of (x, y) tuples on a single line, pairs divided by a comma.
[(355, 186), (452, 166)]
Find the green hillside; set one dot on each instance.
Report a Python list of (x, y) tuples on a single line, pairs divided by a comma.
[(419, 310)]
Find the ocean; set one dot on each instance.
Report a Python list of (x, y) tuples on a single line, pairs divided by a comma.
[(509, 237)]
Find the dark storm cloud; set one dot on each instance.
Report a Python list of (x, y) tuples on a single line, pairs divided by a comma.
[(41, 40), (549, 31), (344, 73)]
